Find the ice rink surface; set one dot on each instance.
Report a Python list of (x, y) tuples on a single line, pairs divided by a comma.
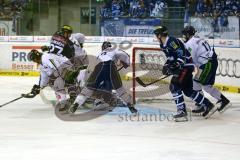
[(29, 130)]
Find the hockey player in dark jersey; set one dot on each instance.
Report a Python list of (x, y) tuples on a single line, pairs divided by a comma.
[(179, 65), (60, 43)]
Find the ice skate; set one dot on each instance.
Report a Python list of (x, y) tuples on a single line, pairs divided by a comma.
[(181, 116), (224, 104), (209, 110)]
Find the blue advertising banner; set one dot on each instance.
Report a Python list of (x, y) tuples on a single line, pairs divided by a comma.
[(132, 27)]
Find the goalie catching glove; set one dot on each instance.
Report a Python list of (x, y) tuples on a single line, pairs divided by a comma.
[(171, 69)]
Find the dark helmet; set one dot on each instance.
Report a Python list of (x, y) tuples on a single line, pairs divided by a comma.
[(187, 32), (34, 55), (66, 28), (161, 30), (106, 45)]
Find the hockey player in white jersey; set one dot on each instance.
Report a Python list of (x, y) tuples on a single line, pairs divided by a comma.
[(57, 72), (105, 75), (205, 59), (78, 40)]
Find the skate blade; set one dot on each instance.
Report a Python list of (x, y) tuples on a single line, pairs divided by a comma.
[(196, 114), (225, 108), (182, 119), (211, 112)]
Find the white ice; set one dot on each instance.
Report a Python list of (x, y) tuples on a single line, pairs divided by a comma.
[(29, 130)]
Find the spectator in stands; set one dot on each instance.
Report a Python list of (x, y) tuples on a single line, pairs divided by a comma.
[(141, 10), (133, 8), (158, 10), (236, 7), (105, 11), (116, 9)]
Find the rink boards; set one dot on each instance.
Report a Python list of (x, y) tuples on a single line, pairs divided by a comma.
[(14, 50)]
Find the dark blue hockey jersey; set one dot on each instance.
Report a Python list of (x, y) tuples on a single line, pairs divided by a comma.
[(175, 51)]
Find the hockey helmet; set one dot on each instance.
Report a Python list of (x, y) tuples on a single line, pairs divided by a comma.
[(161, 30), (34, 55), (79, 37), (67, 29), (187, 32), (106, 45)]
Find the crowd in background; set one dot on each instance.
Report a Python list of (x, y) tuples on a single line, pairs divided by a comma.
[(10, 9), (133, 8), (157, 8), (206, 8)]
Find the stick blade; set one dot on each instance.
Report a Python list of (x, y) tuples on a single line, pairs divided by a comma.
[(140, 82)]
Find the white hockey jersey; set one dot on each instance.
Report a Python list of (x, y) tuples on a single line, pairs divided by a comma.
[(77, 39), (50, 63), (200, 50), (110, 54)]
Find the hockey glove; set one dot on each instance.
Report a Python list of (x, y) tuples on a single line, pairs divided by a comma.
[(125, 65), (171, 69), (45, 48), (166, 70), (35, 90)]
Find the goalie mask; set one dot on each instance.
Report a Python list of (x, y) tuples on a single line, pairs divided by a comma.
[(188, 32), (34, 56), (106, 45)]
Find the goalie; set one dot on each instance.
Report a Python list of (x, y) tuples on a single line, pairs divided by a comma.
[(105, 74), (179, 64)]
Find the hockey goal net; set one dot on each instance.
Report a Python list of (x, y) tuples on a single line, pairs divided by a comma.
[(147, 64)]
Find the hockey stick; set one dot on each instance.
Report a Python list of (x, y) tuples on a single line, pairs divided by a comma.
[(120, 68), (22, 96), (147, 84)]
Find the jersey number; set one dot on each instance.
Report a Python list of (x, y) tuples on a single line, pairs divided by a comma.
[(56, 49)]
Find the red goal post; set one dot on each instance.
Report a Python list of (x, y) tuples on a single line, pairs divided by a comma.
[(147, 63)]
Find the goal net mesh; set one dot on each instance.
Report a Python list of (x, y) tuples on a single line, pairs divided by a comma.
[(147, 64)]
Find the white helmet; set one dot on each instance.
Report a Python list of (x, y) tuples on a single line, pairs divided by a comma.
[(79, 37)]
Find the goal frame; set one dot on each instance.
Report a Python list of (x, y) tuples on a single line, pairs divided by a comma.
[(134, 50)]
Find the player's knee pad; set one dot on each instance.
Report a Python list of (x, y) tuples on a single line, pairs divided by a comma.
[(188, 92), (59, 85), (122, 93)]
